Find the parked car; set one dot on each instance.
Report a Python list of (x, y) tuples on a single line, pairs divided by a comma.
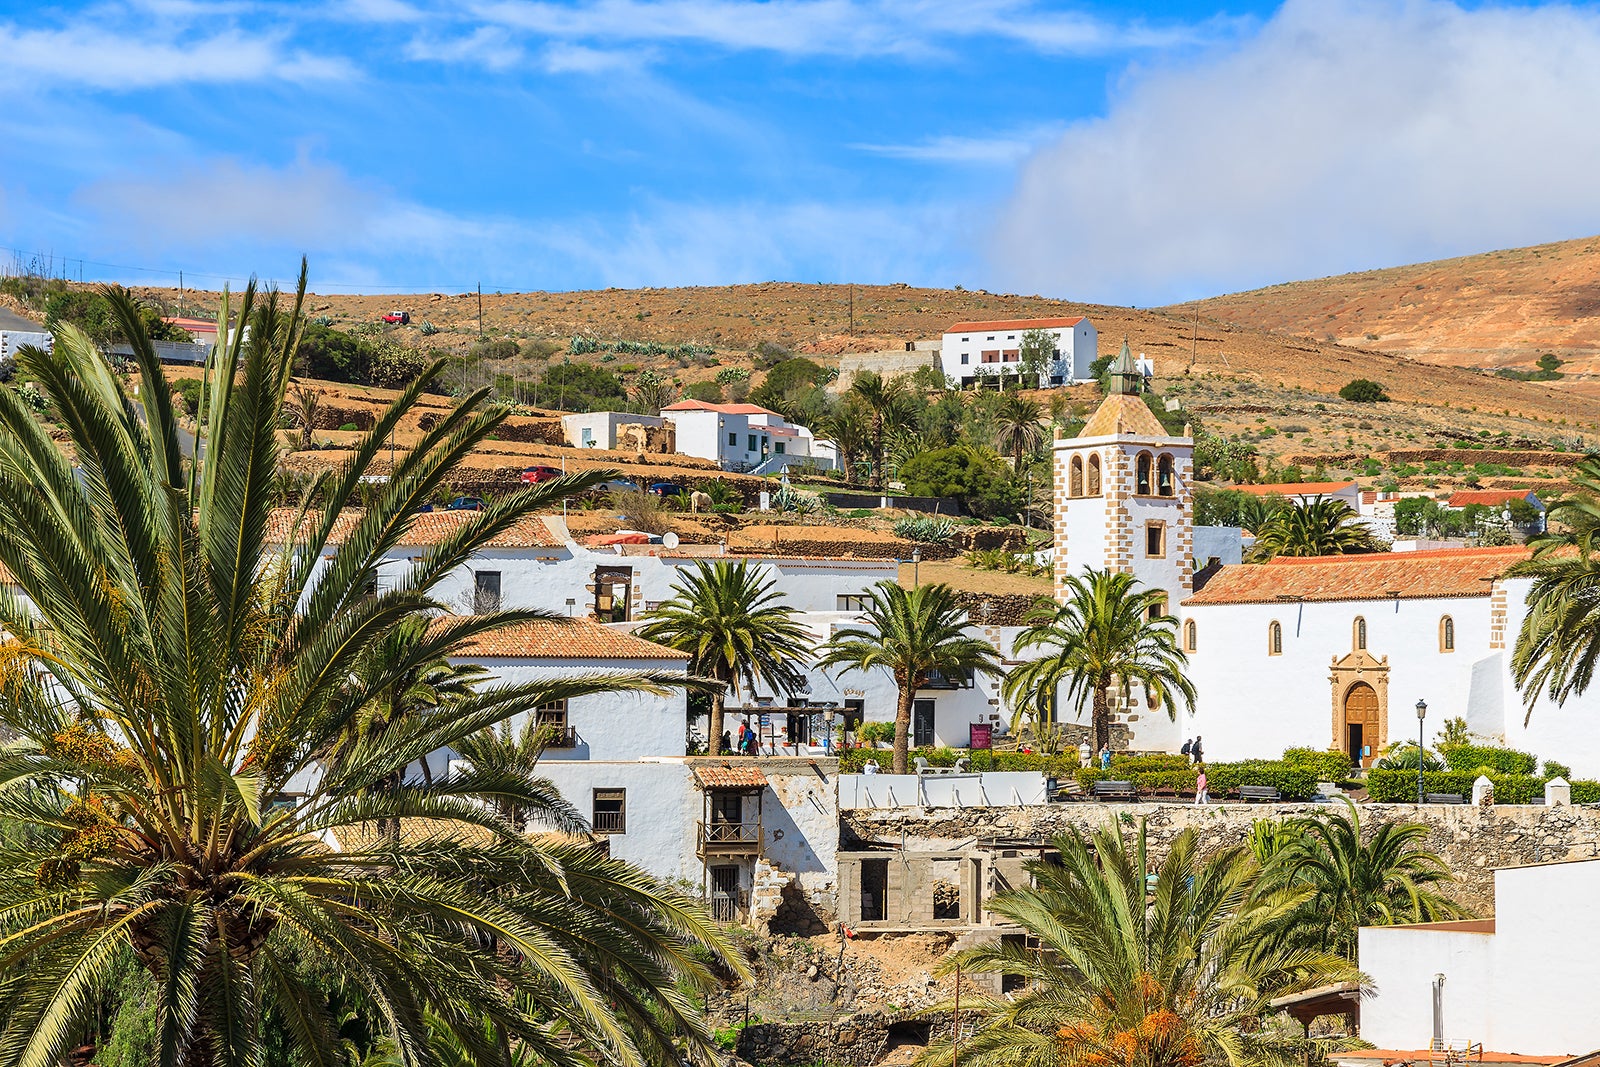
[(465, 503), (535, 475), (668, 489), (422, 509), (398, 318), (617, 485)]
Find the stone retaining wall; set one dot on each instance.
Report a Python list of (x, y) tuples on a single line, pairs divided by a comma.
[(852, 1041), (1473, 841)]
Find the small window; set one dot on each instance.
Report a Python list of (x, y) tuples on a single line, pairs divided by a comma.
[(1142, 476), (1164, 482), (1190, 633), (853, 603), (752, 446), (733, 440), (1447, 634), (1155, 540), (610, 811), (485, 592), (1358, 636), (1158, 608), (1094, 474), (964, 359), (778, 448), (1274, 639), (551, 720), (1075, 482)]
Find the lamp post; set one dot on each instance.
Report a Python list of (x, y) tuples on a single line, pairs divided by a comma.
[(1422, 714), (827, 717), (916, 567)]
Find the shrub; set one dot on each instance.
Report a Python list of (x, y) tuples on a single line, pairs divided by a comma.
[(876, 731), (1400, 787), (1293, 782), (189, 390), (1499, 760), (1144, 781), (1327, 766), (347, 427), (1552, 769), (1363, 391), (1586, 791), (929, 531)]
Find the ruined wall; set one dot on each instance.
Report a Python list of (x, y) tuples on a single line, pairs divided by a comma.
[(1473, 841)]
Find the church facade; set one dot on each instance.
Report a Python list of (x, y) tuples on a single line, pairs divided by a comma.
[(1329, 653)]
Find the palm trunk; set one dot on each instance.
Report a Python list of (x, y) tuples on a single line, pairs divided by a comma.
[(902, 728), (1102, 718), (714, 724), (877, 452)]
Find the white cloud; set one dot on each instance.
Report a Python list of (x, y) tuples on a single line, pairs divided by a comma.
[(853, 28), (487, 45), (1004, 150), (99, 53), (1341, 136)]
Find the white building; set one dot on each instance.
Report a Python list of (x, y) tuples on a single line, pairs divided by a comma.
[(745, 437), (1308, 492), (1520, 984), (600, 429), (974, 351)]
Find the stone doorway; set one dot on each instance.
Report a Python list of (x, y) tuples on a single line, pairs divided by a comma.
[(1360, 707)]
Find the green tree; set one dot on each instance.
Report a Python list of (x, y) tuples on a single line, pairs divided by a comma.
[(1363, 391), (791, 374), (888, 405), (1357, 879), (976, 479), (1139, 964), (1319, 527), (1558, 644), (847, 427), (706, 392), (185, 666), (1105, 635), (652, 392), (737, 629), (1021, 428), (913, 634), (1038, 351)]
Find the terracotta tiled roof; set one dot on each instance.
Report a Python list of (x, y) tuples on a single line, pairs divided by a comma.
[(564, 639), (426, 529), (726, 409), (1449, 572), (732, 775), (1014, 324), (1296, 488), (1487, 497), (1123, 414)]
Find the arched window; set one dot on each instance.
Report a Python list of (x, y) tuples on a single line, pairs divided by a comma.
[(1157, 608), (1075, 482), (1274, 639), (1447, 634), (1189, 635), (1358, 636), (1094, 474), (1164, 482), (1142, 478)]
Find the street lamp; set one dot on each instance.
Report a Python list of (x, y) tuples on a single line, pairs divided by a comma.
[(916, 567), (827, 717), (1422, 713)]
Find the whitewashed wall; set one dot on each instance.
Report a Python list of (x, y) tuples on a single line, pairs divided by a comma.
[(662, 808), (988, 789), (800, 822)]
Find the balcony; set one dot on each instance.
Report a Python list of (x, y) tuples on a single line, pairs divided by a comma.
[(719, 838), (558, 736)]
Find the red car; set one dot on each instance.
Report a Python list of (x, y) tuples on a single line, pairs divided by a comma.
[(398, 318), (535, 475)]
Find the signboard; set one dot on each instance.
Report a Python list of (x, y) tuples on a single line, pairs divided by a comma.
[(981, 736), (766, 721)]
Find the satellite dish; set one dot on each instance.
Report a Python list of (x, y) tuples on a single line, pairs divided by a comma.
[(669, 540)]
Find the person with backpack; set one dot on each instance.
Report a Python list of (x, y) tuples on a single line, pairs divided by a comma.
[(1196, 754), (1187, 750)]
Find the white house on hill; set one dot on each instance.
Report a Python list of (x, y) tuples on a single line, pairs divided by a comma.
[(973, 351), (745, 437)]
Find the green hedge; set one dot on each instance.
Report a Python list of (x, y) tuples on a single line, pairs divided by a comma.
[(1154, 781), (1327, 766), (1586, 791), (1292, 782), (1400, 787), (1500, 760)]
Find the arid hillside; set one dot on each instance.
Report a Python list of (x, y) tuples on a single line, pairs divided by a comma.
[(1495, 309)]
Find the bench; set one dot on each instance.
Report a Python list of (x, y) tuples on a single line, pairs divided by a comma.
[(1446, 798), (1114, 791), (1057, 790), (1259, 792)]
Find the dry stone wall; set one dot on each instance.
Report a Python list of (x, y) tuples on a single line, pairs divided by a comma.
[(1473, 841)]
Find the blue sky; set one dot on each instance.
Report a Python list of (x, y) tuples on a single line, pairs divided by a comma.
[(1091, 151)]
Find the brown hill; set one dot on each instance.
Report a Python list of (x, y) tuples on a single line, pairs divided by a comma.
[(1495, 309)]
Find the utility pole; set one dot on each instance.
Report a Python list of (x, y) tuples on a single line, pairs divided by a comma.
[(480, 311), (955, 1024), (180, 293), (852, 311), (1194, 343)]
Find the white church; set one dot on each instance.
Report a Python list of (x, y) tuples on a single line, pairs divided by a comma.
[(1332, 652)]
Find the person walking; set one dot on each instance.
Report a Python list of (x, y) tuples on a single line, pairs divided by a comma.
[(1201, 787), (1188, 750), (1105, 756), (1197, 755), (1085, 753)]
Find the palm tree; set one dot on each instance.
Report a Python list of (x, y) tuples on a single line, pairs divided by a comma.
[(1320, 527), (887, 405), (1387, 878), (732, 622), (913, 634), (173, 690), (1558, 645), (304, 403), (848, 426), (1138, 964), (1105, 634), (1020, 432)]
